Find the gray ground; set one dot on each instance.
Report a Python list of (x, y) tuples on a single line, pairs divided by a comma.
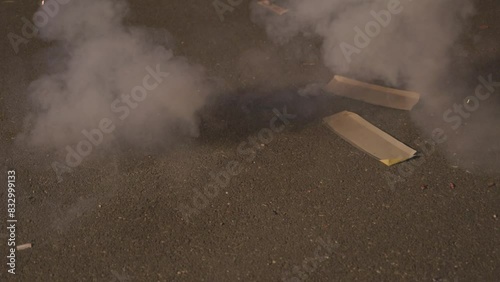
[(307, 204)]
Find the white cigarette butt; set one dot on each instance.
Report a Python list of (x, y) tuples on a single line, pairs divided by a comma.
[(24, 247)]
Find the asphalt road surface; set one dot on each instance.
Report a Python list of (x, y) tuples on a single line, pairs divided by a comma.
[(306, 205)]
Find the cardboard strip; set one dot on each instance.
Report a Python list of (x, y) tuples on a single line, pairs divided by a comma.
[(373, 94), (366, 137), (273, 7)]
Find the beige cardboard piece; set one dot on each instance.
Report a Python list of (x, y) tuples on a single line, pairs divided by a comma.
[(366, 137), (273, 7), (373, 94)]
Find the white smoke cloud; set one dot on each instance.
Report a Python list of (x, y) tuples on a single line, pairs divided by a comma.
[(411, 48), (95, 64)]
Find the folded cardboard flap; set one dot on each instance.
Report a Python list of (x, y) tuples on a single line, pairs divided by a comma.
[(373, 94), (365, 136)]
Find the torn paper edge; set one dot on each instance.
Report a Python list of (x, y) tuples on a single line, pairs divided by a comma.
[(410, 153), (373, 94), (273, 7)]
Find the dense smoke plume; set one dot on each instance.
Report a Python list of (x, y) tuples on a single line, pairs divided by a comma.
[(400, 42), (107, 78)]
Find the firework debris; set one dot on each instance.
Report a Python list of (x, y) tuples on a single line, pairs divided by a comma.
[(273, 7), (367, 137), (373, 94)]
